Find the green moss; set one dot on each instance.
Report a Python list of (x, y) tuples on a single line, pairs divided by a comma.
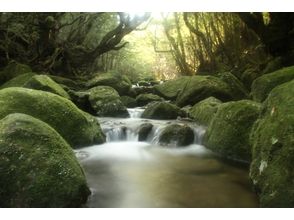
[(176, 135), (144, 99), (170, 89), (106, 102), (120, 83), (204, 111), (71, 84), (128, 101), (18, 81), (262, 86), (238, 90), (162, 110), (45, 83), (12, 70), (75, 126), (202, 87), (228, 132), (272, 138), (37, 167)]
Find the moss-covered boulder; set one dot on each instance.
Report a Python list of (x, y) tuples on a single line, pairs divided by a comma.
[(45, 83), (202, 87), (18, 81), (249, 75), (69, 83), (38, 167), (272, 138), (162, 110), (262, 86), (170, 89), (176, 135), (81, 100), (12, 70), (228, 132), (128, 101), (75, 126), (144, 130), (144, 99), (204, 111), (237, 88), (119, 82), (106, 102)]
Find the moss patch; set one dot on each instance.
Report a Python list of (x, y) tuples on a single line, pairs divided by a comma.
[(162, 110), (144, 99), (228, 132), (106, 102), (272, 138), (262, 86), (12, 70), (204, 111), (37, 167), (18, 81), (75, 126)]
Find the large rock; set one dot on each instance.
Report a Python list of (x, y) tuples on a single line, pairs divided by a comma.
[(202, 87), (120, 83), (237, 88), (18, 81), (262, 86), (228, 132), (75, 126), (12, 70), (45, 83), (144, 99), (37, 167), (204, 111), (176, 135), (272, 138), (81, 100), (106, 102), (170, 89), (128, 101), (69, 83), (162, 110)]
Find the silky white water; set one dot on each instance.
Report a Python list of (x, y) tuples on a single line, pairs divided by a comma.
[(124, 172)]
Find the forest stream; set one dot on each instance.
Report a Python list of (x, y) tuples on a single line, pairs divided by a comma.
[(124, 172)]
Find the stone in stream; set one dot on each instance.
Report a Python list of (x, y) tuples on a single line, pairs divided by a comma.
[(144, 99), (272, 138), (37, 166), (204, 111), (144, 130), (128, 101), (77, 127), (176, 135), (262, 86), (162, 110), (228, 132), (106, 102)]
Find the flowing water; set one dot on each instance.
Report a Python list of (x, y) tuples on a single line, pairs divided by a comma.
[(124, 172)]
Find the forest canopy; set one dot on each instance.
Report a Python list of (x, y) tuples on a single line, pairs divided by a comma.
[(146, 45)]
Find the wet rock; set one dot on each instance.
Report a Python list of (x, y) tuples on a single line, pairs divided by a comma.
[(128, 101), (176, 135), (272, 139), (228, 132), (145, 99), (262, 86), (162, 110), (106, 102), (204, 111), (144, 131), (38, 167)]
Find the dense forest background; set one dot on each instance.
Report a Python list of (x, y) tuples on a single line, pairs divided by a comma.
[(148, 45)]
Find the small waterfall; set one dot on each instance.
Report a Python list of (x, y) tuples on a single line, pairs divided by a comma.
[(135, 112)]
